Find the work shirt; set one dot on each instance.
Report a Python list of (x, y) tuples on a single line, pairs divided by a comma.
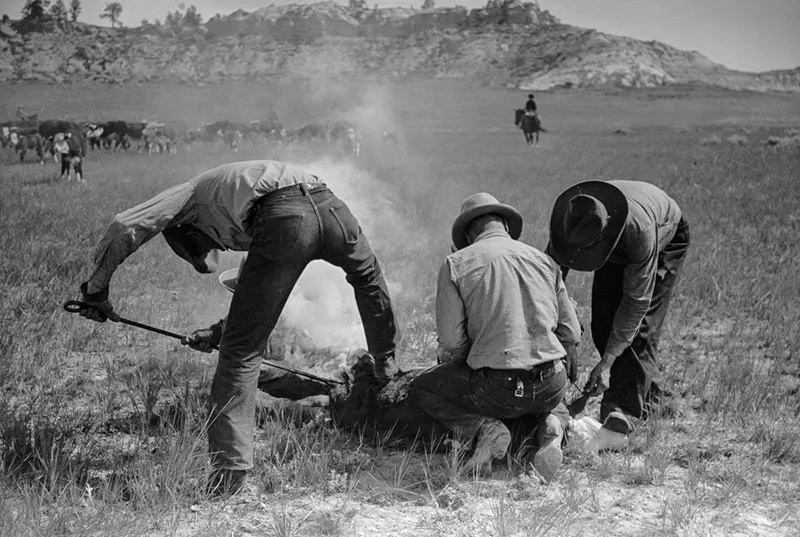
[(651, 224), (62, 147), (216, 202), (502, 304)]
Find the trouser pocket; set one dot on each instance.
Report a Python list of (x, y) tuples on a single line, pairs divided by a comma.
[(347, 224)]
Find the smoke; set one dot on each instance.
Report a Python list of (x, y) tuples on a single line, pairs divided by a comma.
[(322, 306), (321, 312)]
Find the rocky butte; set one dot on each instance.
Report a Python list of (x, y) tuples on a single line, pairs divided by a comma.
[(506, 43)]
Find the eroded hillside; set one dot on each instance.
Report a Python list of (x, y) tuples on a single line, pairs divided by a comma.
[(513, 44)]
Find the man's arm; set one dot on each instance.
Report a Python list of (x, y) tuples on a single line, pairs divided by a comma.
[(551, 252), (639, 280), (568, 330), (451, 321), (132, 228)]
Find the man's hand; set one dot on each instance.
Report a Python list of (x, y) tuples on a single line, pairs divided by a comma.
[(98, 307), (205, 339), (599, 377)]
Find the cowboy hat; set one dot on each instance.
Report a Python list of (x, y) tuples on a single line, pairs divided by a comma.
[(478, 205), (586, 224), (191, 244)]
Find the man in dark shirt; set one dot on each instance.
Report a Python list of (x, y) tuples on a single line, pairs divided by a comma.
[(632, 235), (530, 105)]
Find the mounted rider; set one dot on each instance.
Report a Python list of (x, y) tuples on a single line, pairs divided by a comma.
[(530, 105)]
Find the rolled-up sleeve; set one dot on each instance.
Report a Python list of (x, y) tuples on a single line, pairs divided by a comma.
[(568, 330), (132, 228), (451, 320)]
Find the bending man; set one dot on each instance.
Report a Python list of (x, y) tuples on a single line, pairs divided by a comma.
[(284, 217), (632, 235)]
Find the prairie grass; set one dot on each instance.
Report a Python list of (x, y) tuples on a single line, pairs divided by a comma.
[(102, 426)]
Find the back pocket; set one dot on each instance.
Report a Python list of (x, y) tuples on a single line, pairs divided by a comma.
[(347, 224)]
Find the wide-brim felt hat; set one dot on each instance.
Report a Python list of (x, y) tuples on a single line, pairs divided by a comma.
[(593, 256), (478, 205)]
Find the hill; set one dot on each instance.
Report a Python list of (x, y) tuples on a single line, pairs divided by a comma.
[(510, 44)]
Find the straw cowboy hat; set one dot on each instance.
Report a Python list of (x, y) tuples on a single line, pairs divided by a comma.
[(586, 224), (478, 205)]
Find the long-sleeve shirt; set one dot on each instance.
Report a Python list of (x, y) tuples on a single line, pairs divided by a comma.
[(216, 202), (502, 304), (651, 224), (62, 147)]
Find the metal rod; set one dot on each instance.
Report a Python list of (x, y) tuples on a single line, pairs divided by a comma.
[(74, 306)]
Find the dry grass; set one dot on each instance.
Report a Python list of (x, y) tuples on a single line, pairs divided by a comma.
[(101, 426)]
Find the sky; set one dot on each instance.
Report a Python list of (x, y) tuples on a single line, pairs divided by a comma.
[(749, 35)]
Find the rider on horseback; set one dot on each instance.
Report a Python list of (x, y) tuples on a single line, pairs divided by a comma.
[(530, 106)]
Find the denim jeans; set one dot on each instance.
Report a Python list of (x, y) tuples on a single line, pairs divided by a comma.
[(635, 381), (462, 398), (289, 228)]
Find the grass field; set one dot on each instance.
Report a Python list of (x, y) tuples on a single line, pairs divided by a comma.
[(101, 426)]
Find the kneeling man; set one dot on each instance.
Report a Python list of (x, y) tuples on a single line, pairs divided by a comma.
[(504, 318)]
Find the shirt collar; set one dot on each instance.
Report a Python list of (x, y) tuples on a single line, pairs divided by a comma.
[(492, 233)]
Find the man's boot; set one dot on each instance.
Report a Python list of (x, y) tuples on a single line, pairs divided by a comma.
[(548, 457), (493, 441), (618, 422)]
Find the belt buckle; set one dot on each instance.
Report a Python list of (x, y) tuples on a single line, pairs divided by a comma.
[(520, 391)]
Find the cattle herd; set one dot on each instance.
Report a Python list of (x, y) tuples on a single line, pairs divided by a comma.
[(29, 135)]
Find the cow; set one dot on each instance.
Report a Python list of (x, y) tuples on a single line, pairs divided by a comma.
[(50, 127), (311, 132), (232, 137), (22, 143), (94, 133), (118, 133)]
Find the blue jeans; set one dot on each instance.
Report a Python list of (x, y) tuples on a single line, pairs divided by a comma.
[(289, 228), (462, 399)]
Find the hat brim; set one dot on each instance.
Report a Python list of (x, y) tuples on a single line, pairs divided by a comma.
[(228, 279), (590, 258), (511, 215)]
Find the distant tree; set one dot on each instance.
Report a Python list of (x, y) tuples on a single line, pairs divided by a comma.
[(112, 12), (177, 21), (428, 4), (192, 18), (359, 6), (58, 12), (35, 10), (174, 21), (74, 10)]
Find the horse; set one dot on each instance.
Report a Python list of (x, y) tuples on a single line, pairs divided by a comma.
[(531, 126)]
